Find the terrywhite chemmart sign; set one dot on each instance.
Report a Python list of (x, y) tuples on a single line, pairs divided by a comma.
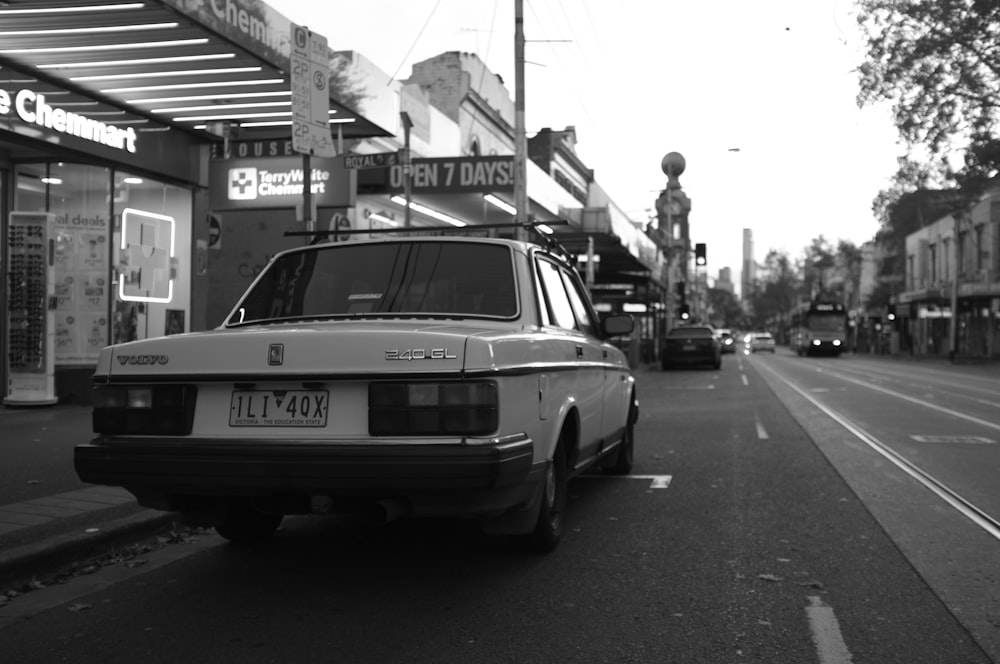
[(33, 108), (278, 182)]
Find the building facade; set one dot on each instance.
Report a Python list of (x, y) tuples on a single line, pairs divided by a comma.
[(951, 291)]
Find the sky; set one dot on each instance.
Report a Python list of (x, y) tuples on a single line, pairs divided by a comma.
[(759, 98)]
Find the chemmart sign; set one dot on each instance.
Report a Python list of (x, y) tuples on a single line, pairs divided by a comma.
[(35, 109), (279, 182)]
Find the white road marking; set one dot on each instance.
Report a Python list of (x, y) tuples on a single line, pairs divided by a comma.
[(746, 382), (830, 645), (761, 431), (658, 481), (919, 402), (964, 440)]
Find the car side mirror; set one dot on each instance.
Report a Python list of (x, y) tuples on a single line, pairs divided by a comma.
[(617, 325)]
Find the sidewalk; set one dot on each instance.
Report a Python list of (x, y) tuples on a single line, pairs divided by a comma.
[(49, 519)]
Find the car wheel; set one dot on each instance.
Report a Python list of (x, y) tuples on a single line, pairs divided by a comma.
[(548, 528), (243, 523), (622, 464)]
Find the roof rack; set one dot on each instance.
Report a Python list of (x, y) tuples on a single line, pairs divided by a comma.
[(544, 239)]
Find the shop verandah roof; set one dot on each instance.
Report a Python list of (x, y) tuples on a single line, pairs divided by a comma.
[(196, 65)]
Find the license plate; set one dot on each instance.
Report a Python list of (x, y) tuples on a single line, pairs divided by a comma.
[(689, 347), (279, 408)]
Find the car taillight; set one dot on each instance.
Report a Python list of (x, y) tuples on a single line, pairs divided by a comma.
[(466, 408), (148, 410)]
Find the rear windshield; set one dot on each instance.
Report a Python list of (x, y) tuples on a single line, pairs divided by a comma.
[(404, 278), (691, 332)]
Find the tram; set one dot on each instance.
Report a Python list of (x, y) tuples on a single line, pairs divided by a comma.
[(818, 328)]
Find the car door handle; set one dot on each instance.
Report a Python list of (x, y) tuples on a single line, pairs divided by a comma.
[(579, 352)]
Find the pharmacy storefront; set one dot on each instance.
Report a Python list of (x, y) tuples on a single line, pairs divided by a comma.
[(96, 209)]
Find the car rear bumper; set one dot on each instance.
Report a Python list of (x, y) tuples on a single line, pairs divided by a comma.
[(702, 358), (159, 471)]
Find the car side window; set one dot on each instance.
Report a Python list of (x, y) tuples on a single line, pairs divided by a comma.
[(560, 308), (577, 300)]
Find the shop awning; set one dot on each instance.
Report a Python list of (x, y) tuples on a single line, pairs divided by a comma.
[(207, 67)]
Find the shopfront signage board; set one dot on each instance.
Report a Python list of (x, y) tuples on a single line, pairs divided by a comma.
[(279, 182), (376, 160)]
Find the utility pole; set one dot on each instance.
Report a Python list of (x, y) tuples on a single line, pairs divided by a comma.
[(407, 167), (520, 136)]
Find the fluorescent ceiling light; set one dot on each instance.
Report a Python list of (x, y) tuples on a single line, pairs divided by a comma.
[(162, 74), (84, 8), (132, 180), (384, 219), (274, 123), (98, 29), (341, 120), (503, 205), (52, 180), (230, 116), (235, 95), (107, 47), (189, 86), (140, 61), (216, 107), (423, 209)]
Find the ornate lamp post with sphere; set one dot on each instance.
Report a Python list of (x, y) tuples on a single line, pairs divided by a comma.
[(671, 233)]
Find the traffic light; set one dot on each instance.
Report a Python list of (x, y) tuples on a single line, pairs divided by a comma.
[(681, 289), (699, 254), (685, 311)]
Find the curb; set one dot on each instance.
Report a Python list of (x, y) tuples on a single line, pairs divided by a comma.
[(21, 564)]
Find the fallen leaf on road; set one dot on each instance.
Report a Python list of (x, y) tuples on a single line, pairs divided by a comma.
[(78, 607), (34, 481), (769, 577)]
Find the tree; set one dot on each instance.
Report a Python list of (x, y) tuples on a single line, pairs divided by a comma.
[(725, 307), (776, 292), (938, 64)]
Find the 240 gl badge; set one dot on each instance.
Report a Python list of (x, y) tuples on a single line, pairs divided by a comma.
[(410, 354)]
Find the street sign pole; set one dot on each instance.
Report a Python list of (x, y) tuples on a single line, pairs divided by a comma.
[(310, 60)]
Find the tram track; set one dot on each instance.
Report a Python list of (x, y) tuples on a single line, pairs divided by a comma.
[(965, 507)]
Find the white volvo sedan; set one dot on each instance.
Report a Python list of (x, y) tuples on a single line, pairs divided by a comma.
[(417, 376)]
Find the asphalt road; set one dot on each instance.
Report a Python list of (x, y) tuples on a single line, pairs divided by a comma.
[(752, 529)]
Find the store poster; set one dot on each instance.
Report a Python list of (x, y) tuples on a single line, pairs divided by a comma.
[(81, 288)]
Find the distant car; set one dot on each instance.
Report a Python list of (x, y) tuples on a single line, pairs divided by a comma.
[(727, 340), (418, 376), (691, 345), (760, 342)]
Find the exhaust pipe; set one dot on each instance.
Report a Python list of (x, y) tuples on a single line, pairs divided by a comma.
[(379, 511), (390, 509)]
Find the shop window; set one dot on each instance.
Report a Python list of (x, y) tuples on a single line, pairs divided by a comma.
[(77, 197), (151, 240), (91, 207)]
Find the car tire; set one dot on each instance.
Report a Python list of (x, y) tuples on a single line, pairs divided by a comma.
[(243, 523), (622, 464), (548, 528)]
